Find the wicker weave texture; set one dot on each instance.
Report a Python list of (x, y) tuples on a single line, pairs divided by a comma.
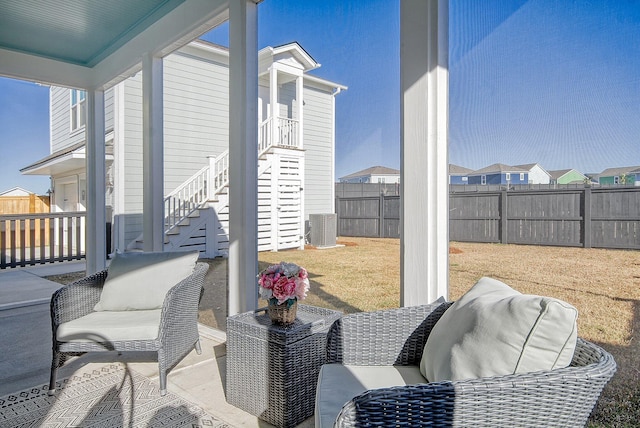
[(177, 332), (558, 398), (272, 371)]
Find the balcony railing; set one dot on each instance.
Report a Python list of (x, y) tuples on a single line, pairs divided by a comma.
[(29, 239)]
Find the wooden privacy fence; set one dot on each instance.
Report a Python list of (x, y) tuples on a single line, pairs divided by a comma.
[(603, 218), (369, 216), (29, 239), (24, 204)]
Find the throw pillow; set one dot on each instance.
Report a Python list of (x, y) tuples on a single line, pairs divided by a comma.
[(494, 330), (140, 281)]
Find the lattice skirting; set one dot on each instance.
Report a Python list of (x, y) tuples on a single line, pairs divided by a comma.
[(109, 396)]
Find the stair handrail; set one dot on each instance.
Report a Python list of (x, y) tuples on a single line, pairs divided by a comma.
[(186, 198)]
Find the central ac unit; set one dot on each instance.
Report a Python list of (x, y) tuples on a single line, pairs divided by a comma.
[(323, 229)]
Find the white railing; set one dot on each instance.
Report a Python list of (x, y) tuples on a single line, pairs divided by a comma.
[(219, 172), (285, 134), (185, 199)]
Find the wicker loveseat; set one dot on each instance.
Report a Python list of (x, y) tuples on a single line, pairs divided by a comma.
[(561, 397), (171, 331)]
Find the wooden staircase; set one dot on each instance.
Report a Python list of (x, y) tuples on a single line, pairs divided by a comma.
[(197, 212)]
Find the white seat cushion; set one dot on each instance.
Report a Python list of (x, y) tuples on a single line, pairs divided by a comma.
[(108, 326), (140, 281), (338, 384), (494, 330)]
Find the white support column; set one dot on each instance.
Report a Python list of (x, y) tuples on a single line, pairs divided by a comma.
[(300, 102), (273, 103), (119, 166), (152, 154), (300, 137), (424, 249), (243, 156), (96, 225)]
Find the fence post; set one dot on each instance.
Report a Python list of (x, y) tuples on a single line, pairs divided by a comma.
[(337, 209), (381, 217), (503, 217), (586, 218)]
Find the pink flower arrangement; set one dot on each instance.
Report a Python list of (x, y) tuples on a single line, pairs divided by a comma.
[(284, 282)]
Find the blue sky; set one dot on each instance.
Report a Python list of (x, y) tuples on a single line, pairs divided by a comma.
[(550, 81)]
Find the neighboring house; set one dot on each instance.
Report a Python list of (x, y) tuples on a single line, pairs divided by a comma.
[(537, 174), (568, 176), (628, 176), (499, 174), (296, 147), (375, 174), (458, 174), (16, 191)]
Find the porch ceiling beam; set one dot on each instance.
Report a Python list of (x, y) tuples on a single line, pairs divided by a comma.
[(243, 156), (424, 254)]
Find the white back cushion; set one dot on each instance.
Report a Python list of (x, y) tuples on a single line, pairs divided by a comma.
[(140, 281), (494, 330)]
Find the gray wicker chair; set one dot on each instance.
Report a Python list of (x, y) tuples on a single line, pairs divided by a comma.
[(177, 331), (563, 397)]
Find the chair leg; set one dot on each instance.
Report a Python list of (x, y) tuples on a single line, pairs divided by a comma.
[(163, 382), (198, 347), (55, 363)]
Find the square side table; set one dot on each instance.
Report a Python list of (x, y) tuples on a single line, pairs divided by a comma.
[(272, 371)]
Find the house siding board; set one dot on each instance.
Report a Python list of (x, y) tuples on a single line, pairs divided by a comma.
[(61, 136), (108, 110), (570, 177), (196, 115), (287, 101), (318, 138)]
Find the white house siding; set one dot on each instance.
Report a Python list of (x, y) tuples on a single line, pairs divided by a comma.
[(196, 115), (131, 219), (61, 136), (108, 110), (196, 125), (287, 100), (537, 175), (318, 146)]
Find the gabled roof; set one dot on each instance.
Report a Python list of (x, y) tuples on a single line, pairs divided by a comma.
[(498, 168), (16, 189), (527, 166), (612, 172), (374, 170), (458, 170), (560, 172)]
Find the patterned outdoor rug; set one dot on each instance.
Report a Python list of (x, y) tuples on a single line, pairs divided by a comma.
[(110, 396)]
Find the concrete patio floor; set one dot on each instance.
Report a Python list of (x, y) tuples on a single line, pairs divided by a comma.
[(25, 345)]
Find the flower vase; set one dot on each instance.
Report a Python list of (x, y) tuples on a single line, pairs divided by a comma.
[(283, 314)]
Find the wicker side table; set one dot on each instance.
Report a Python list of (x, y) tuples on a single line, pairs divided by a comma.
[(272, 371)]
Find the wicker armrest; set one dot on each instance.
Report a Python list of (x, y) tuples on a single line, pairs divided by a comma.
[(556, 398), (77, 299), (180, 305), (389, 337)]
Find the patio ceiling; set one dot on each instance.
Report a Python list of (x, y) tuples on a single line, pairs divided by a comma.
[(96, 43)]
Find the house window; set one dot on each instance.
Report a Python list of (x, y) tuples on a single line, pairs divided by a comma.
[(522, 176), (380, 180), (483, 180), (78, 109), (507, 176), (616, 180), (465, 178)]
